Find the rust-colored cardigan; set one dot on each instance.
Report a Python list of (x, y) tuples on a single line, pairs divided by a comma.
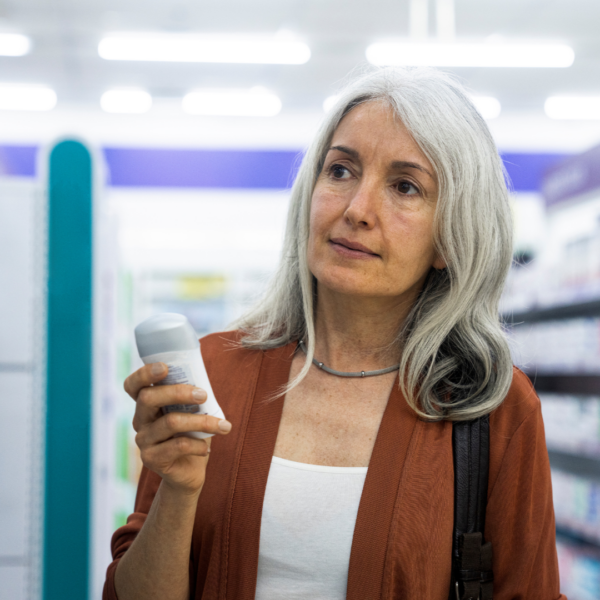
[(402, 541)]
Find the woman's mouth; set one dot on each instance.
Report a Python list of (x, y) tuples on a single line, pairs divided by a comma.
[(351, 249)]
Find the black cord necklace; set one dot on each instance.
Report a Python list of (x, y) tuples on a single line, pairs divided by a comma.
[(345, 373)]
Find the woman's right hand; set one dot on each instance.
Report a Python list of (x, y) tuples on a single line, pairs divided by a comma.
[(180, 461)]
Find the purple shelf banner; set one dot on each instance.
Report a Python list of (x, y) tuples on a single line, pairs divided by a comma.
[(264, 169), (572, 177)]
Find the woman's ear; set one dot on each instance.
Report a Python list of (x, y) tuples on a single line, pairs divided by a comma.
[(439, 263)]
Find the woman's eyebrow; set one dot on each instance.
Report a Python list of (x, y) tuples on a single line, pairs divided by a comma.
[(403, 164), (397, 164), (353, 153)]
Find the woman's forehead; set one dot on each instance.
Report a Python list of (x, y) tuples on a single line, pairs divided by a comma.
[(374, 127)]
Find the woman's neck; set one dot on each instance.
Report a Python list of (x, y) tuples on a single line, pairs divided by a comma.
[(357, 333)]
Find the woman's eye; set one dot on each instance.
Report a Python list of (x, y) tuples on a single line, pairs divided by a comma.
[(339, 172), (407, 188)]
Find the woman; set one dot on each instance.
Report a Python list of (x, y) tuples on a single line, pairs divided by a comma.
[(328, 486)]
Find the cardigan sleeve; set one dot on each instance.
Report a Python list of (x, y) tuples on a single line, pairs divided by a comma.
[(124, 536), (520, 517)]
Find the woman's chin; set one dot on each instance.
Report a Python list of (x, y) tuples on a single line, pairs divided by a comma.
[(348, 286)]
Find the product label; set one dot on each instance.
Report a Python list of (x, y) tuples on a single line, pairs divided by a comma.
[(178, 374), (186, 408), (187, 367)]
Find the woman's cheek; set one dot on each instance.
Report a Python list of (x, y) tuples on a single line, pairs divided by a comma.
[(324, 210), (412, 239)]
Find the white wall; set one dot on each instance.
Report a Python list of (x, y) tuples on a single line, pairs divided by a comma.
[(167, 126), (199, 230)]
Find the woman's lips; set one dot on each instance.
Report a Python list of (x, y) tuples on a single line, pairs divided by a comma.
[(351, 249)]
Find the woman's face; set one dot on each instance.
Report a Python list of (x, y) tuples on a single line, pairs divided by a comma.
[(371, 218)]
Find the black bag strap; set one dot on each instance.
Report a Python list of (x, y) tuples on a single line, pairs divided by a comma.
[(472, 577)]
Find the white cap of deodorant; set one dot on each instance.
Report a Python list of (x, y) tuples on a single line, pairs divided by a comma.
[(166, 332), (171, 339)]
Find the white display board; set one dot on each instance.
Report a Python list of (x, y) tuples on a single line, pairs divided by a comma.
[(21, 379)]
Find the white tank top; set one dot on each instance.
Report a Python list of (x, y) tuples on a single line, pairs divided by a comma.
[(308, 519)]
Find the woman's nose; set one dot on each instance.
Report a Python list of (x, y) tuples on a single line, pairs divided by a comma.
[(363, 206)]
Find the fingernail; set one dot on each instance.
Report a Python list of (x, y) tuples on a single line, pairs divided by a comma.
[(157, 369), (224, 425), (199, 394)]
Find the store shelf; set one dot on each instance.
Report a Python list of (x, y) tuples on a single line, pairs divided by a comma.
[(555, 313), (566, 383), (566, 534), (19, 367), (577, 464)]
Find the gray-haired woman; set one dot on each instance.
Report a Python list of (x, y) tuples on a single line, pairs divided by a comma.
[(330, 486)]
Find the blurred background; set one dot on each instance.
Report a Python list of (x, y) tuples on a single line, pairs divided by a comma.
[(147, 150)]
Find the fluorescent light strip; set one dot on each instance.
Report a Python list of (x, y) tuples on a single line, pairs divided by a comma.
[(487, 106), (209, 48), (585, 108), (126, 101), (239, 103), (14, 44), (26, 97), (471, 55)]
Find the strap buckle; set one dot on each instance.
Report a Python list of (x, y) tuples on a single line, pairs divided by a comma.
[(458, 593), (475, 575)]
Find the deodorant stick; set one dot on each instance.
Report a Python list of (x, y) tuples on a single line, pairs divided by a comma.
[(169, 338)]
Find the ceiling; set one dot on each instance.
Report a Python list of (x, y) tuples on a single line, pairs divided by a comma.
[(65, 34)]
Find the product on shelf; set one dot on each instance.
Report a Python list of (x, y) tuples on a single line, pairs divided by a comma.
[(572, 423), (577, 505), (562, 346), (579, 568), (566, 272)]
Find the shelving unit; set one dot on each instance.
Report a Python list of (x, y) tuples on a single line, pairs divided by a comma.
[(577, 535), (578, 539), (567, 535), (565, 383), (553, 313), (557, 342), (560, 383), (577, 464)]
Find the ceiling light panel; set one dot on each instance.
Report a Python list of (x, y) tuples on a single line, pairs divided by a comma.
[(126, 101), (26, 97), (471, 55), (207, 48), (585, 108), (241, 103), (14, 44)]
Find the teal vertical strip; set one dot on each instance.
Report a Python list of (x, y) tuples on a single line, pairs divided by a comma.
[(69, 374)]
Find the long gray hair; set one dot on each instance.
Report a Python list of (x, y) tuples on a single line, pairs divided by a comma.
[(455, 362)]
